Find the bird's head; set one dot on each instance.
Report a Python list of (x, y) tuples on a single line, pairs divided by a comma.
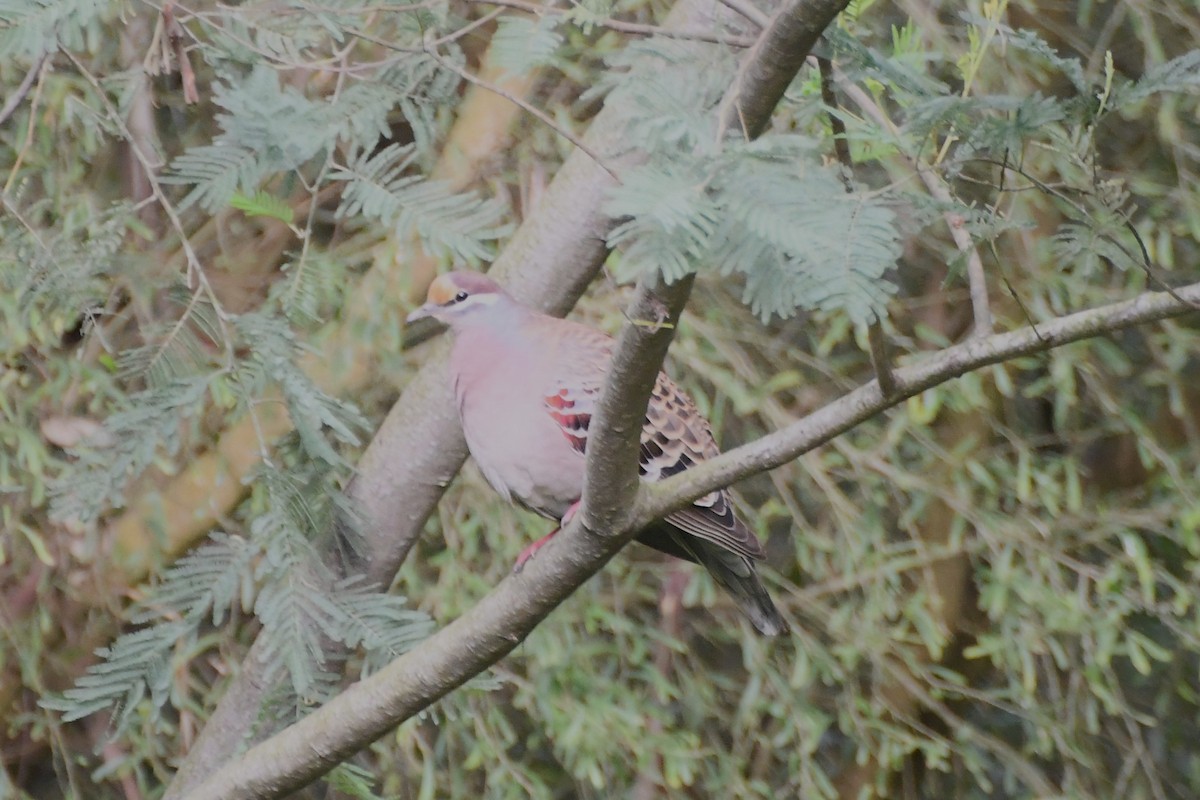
[(462, 298)]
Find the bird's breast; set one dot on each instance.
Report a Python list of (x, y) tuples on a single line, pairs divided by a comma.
[(517, 445)]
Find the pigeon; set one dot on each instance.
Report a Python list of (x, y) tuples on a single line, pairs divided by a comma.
[(526, 385)]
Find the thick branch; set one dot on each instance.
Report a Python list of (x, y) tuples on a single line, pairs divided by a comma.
[(490, 630), (373, 706), (773, 62), (611, 483), (867, 401), (419, 447)]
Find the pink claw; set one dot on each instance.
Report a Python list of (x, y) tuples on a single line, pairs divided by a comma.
[(532, 549)]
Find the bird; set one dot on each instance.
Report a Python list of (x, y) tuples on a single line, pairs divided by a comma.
[(526, 385)]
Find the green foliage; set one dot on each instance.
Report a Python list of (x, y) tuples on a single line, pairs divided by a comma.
[(31, 28), (377, 187), (316, 416), (521, 44), (137, 435), (353, 781), (1180, 75), (214, 580), (280, 575), (135, 664), (671, 89), (47, 278), (766, 210), (263, 204)]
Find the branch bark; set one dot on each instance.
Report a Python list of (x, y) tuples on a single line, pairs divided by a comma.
[(611, 482), (15, 99), (773, 62), (866, 401)]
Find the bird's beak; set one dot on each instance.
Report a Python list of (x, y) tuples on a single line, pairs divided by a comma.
[(420, 313)]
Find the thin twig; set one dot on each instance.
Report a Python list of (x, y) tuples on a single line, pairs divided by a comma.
[(431, 51), (748, 10), (1144, 261), (454, 36), (20, 159), (625, 27), (175, 35), (195, 271), (841, 146), (1016, 296), (963, 729), (10, 105), (512, 98), (976, 278), (880, 359)]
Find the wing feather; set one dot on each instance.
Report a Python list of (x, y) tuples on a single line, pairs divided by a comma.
[(675, 436)]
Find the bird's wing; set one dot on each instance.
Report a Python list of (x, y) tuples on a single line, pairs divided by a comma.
[(675, 436)]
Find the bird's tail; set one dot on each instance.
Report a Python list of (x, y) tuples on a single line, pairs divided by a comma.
[(738, 577)]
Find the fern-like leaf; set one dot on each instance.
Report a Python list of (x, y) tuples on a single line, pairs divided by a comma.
[(670, 218), (294, 614), (379, 622), (273, 351), (1180, 74), (149, 426), (379, 186), (521, 44), (136, 664), (212, 580), (31, 28), (216, 172), (263, 204)]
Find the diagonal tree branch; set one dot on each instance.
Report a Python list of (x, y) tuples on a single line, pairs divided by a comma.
[(773, 62), (551, 259), (867, 401), (14, 100), (490, 630), (497, 624), (611, 481), (611, 484)]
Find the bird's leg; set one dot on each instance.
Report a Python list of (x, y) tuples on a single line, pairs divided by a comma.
[(532, 549), (529, 551)]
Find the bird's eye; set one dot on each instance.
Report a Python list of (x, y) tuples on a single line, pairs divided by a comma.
[(458, 298)]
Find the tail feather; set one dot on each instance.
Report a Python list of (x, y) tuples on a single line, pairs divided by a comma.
[(734, 573), (738, 577)]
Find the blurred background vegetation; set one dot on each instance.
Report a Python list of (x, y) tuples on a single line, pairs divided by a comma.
[(215, 218)]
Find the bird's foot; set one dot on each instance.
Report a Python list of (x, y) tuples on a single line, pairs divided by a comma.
[(570, 515), (531, 550)]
